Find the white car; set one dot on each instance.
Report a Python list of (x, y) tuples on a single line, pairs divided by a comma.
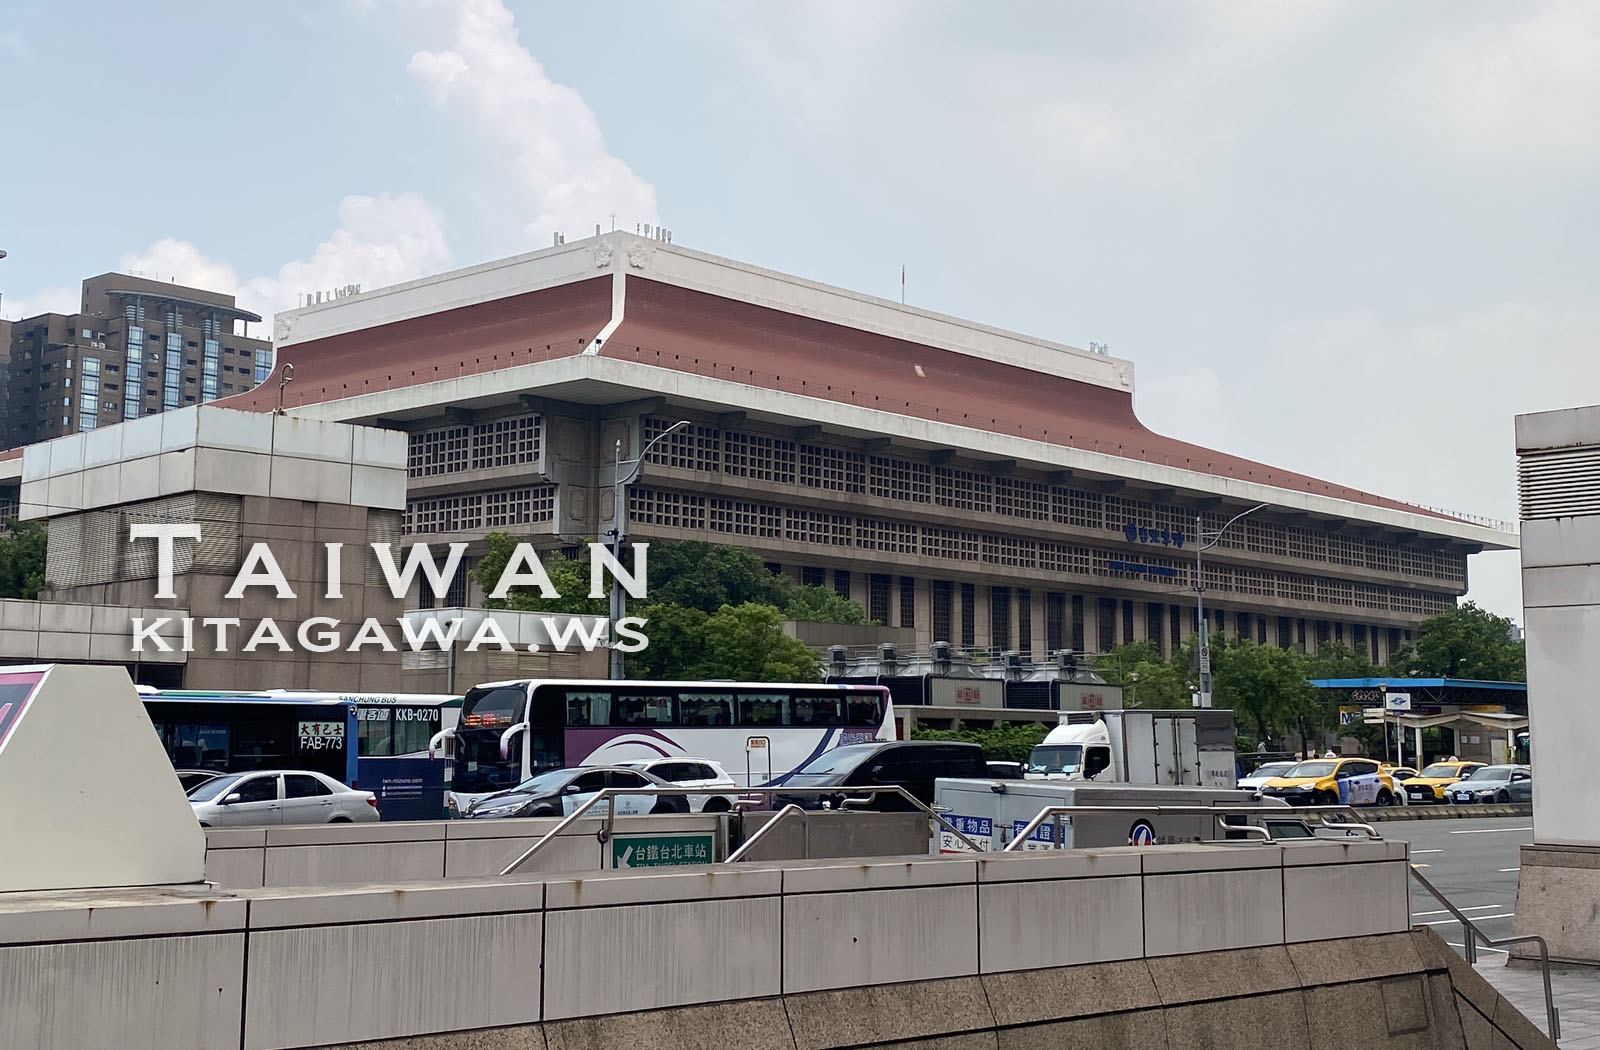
[(694, 773), (280, 796), (1261, 774)]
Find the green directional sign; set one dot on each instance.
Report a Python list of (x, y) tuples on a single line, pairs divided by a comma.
[(662, 851)]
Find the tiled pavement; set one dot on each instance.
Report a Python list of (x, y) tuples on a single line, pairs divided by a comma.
[(1576, 993)]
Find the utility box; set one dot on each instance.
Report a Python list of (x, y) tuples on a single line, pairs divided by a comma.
[(994, 812), (91, 799)]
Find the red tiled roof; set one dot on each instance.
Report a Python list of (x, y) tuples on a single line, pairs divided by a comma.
[(502, 333), (696, 332)]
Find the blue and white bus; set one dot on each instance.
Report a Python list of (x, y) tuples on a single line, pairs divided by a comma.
[(758, 731), (377, 742)]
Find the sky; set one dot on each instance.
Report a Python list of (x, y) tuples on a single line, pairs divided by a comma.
[(1348, 238)]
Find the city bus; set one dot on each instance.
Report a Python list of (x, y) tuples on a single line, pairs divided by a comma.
[(232, 732), (759, 732)]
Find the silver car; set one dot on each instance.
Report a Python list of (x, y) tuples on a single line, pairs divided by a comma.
[(280, 796), (1493, 784)]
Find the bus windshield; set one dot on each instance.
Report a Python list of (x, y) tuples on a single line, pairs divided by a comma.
[(493, 708), (1055, 758)]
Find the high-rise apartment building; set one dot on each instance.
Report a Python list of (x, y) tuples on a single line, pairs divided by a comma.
[(136, 348)]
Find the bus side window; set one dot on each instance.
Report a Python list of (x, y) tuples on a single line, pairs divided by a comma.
[(763, 709), (705, 709), (816, 710), (865, 711)]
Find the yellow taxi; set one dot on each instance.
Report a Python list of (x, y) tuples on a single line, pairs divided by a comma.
[(1430, 784), (1333, 781)]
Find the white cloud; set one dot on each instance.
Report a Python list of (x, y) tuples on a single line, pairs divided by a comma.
[(560, 157), (1529, 87), (380, 241), (44, 301)]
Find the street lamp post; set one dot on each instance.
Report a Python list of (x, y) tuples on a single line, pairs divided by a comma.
[(618, 533), (1204, 541)]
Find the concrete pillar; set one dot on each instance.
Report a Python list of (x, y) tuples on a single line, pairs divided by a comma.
[(925, 636)]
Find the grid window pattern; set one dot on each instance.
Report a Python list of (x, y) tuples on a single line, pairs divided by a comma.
[(134, 364), (969, 615), (1055, 621), (831, 529), (943, 600), (693, 447), (891, 537), (1078, 632), (1084, 510), (744, 518), (441, 451), (908, 601), (878, 598), (833, 469), (210, 362), (1025, 622), (962, 489), (1106, 621), (811, 576), (505, 443), (1019, 498), (478, 510), (818, 526), (758, 457), (900, 479), (841, 582), (1000, 617), (172, 373), (263, 366), (668, 510)]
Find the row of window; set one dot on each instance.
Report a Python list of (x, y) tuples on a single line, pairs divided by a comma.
[(479, 446), (763, 458), (690, 512), (473, 511)]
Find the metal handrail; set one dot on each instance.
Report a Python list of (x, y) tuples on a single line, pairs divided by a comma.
[(777, 818), (604, 834), (1056, 812), (1471, 934)]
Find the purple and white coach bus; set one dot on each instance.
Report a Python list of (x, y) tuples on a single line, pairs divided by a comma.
[(758, 731)]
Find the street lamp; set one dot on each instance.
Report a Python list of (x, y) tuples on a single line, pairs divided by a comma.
[(618, 533), (1203, 650)]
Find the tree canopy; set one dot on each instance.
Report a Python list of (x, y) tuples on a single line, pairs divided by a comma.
[(1464, 642), (22, 558), (711, 611)]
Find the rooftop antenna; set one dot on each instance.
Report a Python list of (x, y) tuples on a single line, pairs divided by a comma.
[(613, 222), (288, 377), (902, 284)]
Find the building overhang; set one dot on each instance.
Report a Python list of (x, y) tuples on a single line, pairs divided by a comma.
[(594, 380)]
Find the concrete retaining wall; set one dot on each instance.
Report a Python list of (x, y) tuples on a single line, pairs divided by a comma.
[(275, 969)]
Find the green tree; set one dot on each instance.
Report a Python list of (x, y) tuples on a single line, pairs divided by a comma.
[(1266, 686), (822, 605), (746, 643), (676, 649), (22, 558), (1464, 642), (1004, 743), (707, 576), (569, 577), (1145, 678)]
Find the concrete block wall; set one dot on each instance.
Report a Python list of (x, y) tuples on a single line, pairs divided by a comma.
[(862, 951)]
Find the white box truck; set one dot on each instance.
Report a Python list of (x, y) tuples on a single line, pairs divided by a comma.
[(1191, 748), (994, 812)]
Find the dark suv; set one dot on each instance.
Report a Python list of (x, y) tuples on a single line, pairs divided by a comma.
[(911, 764)]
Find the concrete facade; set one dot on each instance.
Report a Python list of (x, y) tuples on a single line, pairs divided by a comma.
[(694, 959), (244, 478), (1559, 479)]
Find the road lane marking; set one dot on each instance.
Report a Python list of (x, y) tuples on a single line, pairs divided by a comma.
[(1475, 918), (1475, 907), (1504, 870), (1481, 948), (1488, 831), (1415, 852)]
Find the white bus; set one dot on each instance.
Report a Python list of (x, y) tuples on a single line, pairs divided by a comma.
[(758, 731)]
